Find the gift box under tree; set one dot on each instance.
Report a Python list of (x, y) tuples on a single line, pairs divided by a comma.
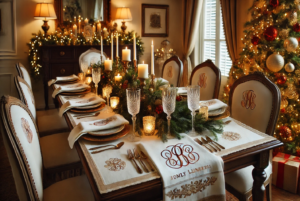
[(286, 172)]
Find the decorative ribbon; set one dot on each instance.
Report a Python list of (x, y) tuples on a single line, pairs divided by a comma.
[(281, 164)]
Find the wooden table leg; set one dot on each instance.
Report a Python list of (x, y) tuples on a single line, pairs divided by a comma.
[(259, 176)]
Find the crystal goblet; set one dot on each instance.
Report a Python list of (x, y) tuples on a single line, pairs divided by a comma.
[(193, 97), (169, 102), (96, 74), (133, 106)]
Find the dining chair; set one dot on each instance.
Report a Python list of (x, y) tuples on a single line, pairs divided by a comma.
[(89, 54), (255, 101), (208, 77), (172, 71), (48, 121), (23, 73), (25, 158), (59, 160)]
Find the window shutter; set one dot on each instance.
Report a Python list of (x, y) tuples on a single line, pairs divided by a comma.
[(210, 19), (225, 61)]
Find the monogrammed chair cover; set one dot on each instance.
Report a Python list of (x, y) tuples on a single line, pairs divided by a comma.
[(172, 71)]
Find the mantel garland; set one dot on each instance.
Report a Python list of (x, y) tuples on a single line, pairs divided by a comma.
[(65, 39), (151, 105)]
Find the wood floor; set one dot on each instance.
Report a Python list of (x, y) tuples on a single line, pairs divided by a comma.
[(277, 195)]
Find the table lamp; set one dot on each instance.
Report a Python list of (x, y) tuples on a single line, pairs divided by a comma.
[(45, 11), (123, 14)]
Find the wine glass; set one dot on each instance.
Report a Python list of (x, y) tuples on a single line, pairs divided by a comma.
[(193, 97), (84, 68), (133, 106), (169, 102), (96, 74)]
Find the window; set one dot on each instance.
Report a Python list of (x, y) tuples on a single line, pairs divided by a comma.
[(212, 39)]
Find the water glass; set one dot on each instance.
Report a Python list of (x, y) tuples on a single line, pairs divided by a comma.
[(84, 67), (96, 74), (169, 102), (133, 106), (193, 98)]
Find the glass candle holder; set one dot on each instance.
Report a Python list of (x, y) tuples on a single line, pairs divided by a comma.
[(149, 125), (106, 91), (88, 80), (204, 111), (114, 102), (80, 76)]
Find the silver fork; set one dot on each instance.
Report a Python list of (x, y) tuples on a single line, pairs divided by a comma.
[(131, 157), (202, 144), (138, 157)]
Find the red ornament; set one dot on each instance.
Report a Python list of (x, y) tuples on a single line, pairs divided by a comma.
[(255, 40), (159, 109), (277, 75), (282, 110), (285, 131), (274, 3), (270, 33), (125, 84), (178, 98), (296, 27), (281, 80), (103, 77)]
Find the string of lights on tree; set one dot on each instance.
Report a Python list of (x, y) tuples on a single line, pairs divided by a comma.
[(67, 39), (271, 46)]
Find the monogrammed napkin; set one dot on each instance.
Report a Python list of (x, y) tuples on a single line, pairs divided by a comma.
[(213, 104), (97, 125), (69, 88), (187, 169), (63, 78), (87, 100)]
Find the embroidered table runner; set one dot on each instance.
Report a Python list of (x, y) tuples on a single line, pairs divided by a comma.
[(187, 169), (63, 78), (76, 87), (87, 100), (213, 104)]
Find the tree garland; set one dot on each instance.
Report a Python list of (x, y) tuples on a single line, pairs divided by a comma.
[(65, 39)]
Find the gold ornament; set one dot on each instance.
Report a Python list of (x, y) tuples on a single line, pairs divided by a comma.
[(296, 127), (289, 109), (291, 92), (284, 103), (284, 33), (260, 3)]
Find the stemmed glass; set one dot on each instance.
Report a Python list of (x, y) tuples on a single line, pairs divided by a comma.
[(84, 68), (193, 97), (96, 74), (169, 102), (133, 106)]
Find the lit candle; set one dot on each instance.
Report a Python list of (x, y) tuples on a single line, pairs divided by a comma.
[(80, 75), (149, 125), (204, 111), (88, 80), (118, 78), (112, 47), (108, 65), (114, 102), (75, 30), (99, 28), (86, 21), (152, 58), (143, 70), (75, 19), (79, 24), (126, 54), (134, 47), (117, 45), (94, 29)]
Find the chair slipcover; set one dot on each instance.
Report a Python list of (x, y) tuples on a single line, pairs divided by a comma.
[(172, 71), (23, 73), (208, 77)]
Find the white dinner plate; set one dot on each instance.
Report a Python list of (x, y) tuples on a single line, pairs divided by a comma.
[(88, 106), (108, 131), (216, 112)]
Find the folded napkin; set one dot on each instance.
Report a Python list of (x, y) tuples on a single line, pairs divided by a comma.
[(181, 90), (85, 101), (187, 169), (97, 125), (63, 78), (213, 104), (69, 88), (162, 80)]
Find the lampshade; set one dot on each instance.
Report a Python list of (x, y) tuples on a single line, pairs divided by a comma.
[(44, 11), (123, 14)]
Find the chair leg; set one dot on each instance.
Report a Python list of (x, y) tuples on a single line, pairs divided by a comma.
[(269, 191)]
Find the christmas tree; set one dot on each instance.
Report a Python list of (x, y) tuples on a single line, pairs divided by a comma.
[(271, 46)]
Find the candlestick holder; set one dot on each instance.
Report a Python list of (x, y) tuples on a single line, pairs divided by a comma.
[(125, 66), (135, 66), (152, 84), (117, 60), (142, 84)]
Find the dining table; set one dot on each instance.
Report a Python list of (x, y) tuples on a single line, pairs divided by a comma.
[(151, 187)]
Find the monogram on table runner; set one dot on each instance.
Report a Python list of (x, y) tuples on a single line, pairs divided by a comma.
[(188, 171), (87, 100), (76, 87)]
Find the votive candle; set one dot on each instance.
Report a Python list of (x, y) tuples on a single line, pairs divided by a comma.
[(114, 102), (118, 78), (88, 80), (204, 111), (80, 75), (126, 54), (86, 21), (149, 125)]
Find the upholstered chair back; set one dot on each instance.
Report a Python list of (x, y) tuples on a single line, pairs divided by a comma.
[(22, 142), (26, 95), (172, 71), (255, 101), (23, 73), (89, 54), (208, 77)]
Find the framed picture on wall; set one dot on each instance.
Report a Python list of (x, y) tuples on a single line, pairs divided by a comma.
[(155, 20)]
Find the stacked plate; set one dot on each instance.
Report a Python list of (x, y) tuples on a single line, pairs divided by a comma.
[(182, 91), (89, 108), (67, 79), (80, 89)]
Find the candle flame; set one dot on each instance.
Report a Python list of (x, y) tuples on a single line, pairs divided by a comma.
[(118, 74), (126, 48), (143, 62)]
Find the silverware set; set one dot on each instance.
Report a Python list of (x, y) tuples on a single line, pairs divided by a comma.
[(142, 158), (209, 144)]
